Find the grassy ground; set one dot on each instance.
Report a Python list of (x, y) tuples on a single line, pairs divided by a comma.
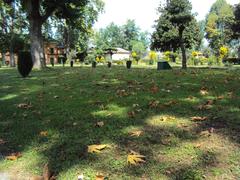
[(65, 104)]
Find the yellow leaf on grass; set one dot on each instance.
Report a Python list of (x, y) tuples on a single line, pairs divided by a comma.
[(14, 156), (136, 133), (100, 124), (24, 105), (43, 133), (203, 92), (135, 158), (198, 118), (100, 177), (96, 148)]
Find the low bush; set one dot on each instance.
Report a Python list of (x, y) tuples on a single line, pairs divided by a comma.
[(25, 63)]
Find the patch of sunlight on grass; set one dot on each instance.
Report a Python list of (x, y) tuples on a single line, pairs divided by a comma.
[(132, 128), (163, 120), (8, 97), (112, 110), (184, 152), (73, 172), (29, 162), (190, 100)]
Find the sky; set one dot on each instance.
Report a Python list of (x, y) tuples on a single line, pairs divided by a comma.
[(144, 12)]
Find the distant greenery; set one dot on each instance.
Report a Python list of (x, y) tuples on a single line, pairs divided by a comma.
[(128, 37), (218, 32)]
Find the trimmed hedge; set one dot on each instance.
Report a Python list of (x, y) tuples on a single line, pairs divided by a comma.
[(232, 60), (25, 63)]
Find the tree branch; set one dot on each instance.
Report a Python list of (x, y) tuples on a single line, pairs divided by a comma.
[(48, 13)]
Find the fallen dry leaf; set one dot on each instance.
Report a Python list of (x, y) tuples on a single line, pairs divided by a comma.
[(2, 141), (24, 105), (135, 158), (97, 148), (14, 156), (43, 133), (131, 114), (122, 93), (100, 124), (153, 104), (167, 118), (100, 177), (210, 102), (136, 133), (154, 89), (220, 97), (198, 118), (203, 92), (170, 103), (204, 107)]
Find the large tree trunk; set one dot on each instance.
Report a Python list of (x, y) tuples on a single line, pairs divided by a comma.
[(184, 56), (3, 58), (238, 52), (12, 59), (36, 21), (37, 50), (183, 49)]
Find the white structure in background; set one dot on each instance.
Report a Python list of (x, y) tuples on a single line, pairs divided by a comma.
[(121, 54)]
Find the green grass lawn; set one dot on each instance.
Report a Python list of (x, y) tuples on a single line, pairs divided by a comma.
[(67, 103)]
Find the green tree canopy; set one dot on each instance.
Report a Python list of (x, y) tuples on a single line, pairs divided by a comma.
[(217, 31), (176, 28)]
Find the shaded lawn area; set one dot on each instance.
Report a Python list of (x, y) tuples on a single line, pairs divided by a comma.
[(67, 103)]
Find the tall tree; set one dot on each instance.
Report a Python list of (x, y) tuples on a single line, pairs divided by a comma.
[(235, 26), (131, 33), (38, 11), (110, 37), (11, 29), (217, 33), (176, 28)]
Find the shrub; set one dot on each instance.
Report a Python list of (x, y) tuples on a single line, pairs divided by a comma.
[(232, 60), (100, 59), (212, 60), (152, 57), (25, 63)]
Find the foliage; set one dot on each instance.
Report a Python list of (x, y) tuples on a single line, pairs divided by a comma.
[(176, 28), (100, 59), (217, 31), (152, 56), (236, 23), (169, 56), (223, 52), (110, 37), (25, 64), (127, 36)]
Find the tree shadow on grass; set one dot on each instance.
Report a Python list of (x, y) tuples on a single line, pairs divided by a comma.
[(70, 117)]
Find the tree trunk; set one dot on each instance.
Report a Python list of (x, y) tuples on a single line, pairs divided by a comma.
[(183, 49), (35, 22), (184, 56), (37, 50), (238, 52), (3, 58), (12, 59)]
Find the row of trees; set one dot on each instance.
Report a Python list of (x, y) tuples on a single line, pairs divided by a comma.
[(177, 28), (37, 18), (128, 36)]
